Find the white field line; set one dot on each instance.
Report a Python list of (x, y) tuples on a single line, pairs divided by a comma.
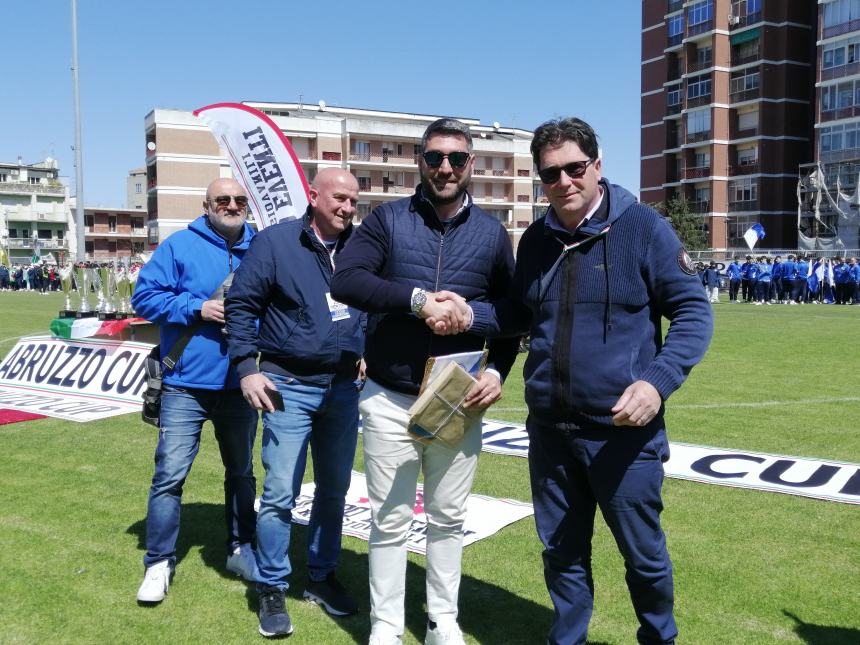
[(711, 406)]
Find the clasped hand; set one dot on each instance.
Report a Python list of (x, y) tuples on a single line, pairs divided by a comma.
[(446, 313)]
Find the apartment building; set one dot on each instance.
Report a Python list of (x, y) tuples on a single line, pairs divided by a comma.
[(727, 98), (114, 233), (380, 148), (135, 185), (830, 221), (35, 211)]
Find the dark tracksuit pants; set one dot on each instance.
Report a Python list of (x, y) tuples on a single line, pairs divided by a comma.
[(733, 289), (572, 474)]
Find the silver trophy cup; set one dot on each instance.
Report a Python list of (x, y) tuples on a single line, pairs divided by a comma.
[(107, 310), (66, 286), (83, 284)]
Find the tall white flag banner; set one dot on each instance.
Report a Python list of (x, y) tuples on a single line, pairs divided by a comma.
[(262, 159)]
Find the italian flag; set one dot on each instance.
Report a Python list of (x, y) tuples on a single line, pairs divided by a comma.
[(73, 328)]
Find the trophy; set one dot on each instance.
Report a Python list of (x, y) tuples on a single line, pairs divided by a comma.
[(66, 285), (83, 283), (107, 311), (133, 272), (123, 293)]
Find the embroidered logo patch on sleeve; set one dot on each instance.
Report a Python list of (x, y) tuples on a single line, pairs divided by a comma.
[(686, 262)]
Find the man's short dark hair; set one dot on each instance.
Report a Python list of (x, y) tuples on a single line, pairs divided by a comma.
[(557, 131), (449, 127)]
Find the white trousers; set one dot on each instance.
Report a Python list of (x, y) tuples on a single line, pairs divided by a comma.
[(392, 462), (713, 293)]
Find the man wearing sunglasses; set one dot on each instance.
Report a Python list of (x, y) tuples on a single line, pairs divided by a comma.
[(176, 290), (593, 280), (307, 385), (402, 254)]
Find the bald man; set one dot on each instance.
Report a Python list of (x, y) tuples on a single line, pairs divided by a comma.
[(307, 383), (177, 290)]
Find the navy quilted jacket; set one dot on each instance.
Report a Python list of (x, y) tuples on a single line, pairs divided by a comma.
[(402, 245)]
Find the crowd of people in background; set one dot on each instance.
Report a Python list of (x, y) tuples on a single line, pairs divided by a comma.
[(41, 278), (795, 280)]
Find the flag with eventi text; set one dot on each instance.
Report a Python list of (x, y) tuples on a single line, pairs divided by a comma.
[(262, 160), (754, 234)]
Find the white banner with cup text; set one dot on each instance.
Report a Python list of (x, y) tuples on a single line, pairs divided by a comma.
[(831, 480), (484, 517), (78, 380)]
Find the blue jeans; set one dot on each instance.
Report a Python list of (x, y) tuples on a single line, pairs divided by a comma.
[(327, 418), (183, 412), (619, 470)]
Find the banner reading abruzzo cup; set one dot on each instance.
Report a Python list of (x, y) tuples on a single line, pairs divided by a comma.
[(262, 160)]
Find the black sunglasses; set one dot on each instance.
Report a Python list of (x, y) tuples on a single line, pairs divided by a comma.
[(574, 170), (224, 200), (434, 158)]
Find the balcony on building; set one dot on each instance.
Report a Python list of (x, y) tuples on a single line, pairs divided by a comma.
[(840, 28), (745, 47), (703, 206), (840, 113), (697, 172), (695, 137), (39, 188), (672, 138), (840, 71), (673, 67), (743, 167), (674, 5), (743, 205), (744, 88), (694, 65), (700, 28), (698, 101)]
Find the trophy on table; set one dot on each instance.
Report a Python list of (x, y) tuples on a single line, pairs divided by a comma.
[(133, 272), (83, 284), (123, 294), (66, 285), (107, 310)]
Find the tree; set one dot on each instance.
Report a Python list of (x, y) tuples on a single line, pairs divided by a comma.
[(688, 225)]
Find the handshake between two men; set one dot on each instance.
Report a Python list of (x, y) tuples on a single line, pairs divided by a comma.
[(447, 313)]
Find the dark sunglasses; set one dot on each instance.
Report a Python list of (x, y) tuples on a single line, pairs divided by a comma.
[(224, 200), (574, 170), (434, 158)]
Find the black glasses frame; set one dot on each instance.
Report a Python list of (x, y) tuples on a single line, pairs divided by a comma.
[(457, 159), (224, 200), (574, 170)]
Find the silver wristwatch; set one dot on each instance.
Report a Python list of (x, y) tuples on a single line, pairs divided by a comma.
[(419, 299)]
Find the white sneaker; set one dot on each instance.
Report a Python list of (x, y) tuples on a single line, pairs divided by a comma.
[(382, 638), (448, 634), (156, 582), (243, 563)]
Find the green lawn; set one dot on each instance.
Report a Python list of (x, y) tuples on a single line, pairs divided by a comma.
[(751, 567)]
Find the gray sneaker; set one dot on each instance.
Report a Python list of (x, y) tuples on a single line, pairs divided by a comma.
[(243, 563)]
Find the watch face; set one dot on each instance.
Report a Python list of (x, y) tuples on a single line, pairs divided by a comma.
[(419, 299)]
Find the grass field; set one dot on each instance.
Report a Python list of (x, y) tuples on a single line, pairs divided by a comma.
[(750, 566)]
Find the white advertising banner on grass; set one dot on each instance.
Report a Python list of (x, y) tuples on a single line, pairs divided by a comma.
[(484, 517), (262, 160), (78, 380), (831, 480)]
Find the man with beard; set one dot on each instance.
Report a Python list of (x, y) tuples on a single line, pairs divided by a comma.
[(402, 254), (176, 290)]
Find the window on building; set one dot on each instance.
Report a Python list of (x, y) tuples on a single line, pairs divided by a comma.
[(361, 149), (704, 55), (748, 120), (698, 121), (744, 83), (43, 234), (35, 180), (840, 12), (700, 12), (747, 156), (111, 246), (743, 190), (88, 221), (60, 234), (3, 177), (747, 50), (675, 26), (112, 223), (89, 247), (13, 233), (136, 224), (701, 194), (364, 183), (699, 86), (701, 159), (138, 188), (673, 95)]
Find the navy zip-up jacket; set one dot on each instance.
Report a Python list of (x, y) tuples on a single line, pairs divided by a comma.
[(403, 245), (283, 282), (593, 304)]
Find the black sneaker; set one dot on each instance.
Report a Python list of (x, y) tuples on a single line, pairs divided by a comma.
[(274, 619), (332, 596)]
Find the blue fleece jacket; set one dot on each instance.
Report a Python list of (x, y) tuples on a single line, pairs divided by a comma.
[(593, 304), (185, 271), (284, 283)]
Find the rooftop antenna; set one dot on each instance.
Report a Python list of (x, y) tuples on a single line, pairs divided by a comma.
[(301, 102)]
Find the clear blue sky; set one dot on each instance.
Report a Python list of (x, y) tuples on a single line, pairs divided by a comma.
[(570, 57)]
